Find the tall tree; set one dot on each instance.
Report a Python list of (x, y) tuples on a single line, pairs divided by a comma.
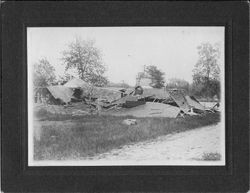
[(44, 73), (156, 76), (83, 56), (207, 70)]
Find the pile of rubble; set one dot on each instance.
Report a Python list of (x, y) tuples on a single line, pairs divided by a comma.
[(137, 102), (154, 103)]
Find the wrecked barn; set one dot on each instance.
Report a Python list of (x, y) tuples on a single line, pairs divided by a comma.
[(53, 95), (155, 103), (138, 102)]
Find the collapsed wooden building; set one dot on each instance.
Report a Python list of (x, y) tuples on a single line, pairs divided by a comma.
[(138, 101)]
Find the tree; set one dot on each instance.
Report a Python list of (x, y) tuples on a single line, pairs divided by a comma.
[(64, 79), (178, 83), (86, 59), (98, 80), (206, 72), (156, 76), (44, 73)]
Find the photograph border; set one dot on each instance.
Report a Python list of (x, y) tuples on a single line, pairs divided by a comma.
[(17, 176), (130, 161)]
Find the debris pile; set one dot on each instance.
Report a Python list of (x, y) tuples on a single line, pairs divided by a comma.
[(137, 102)]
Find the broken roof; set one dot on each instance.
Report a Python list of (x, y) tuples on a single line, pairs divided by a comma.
[(178, 97), (150, 109), (106, 93), (193, 102), (63, 93), (124, 99)]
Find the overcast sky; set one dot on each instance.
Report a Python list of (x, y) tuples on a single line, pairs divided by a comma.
[(126, 50)]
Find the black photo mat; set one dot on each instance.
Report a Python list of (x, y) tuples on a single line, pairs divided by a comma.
[(17, 176)]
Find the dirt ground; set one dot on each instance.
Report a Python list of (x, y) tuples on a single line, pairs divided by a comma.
[(186, 147)]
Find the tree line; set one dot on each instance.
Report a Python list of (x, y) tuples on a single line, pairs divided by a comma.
[(86, 59), (206, 74)]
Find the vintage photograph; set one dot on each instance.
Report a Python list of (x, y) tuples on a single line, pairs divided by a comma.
[(104, 96)]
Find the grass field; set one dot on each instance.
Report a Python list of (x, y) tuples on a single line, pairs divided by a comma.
[(65, 137)]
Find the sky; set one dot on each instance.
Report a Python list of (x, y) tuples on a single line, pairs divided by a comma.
[(125, 50)]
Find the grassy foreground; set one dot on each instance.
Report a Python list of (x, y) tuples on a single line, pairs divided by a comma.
[(68, 137)]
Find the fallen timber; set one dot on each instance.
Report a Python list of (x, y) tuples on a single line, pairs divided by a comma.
[(162, 104), (138, 101)]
